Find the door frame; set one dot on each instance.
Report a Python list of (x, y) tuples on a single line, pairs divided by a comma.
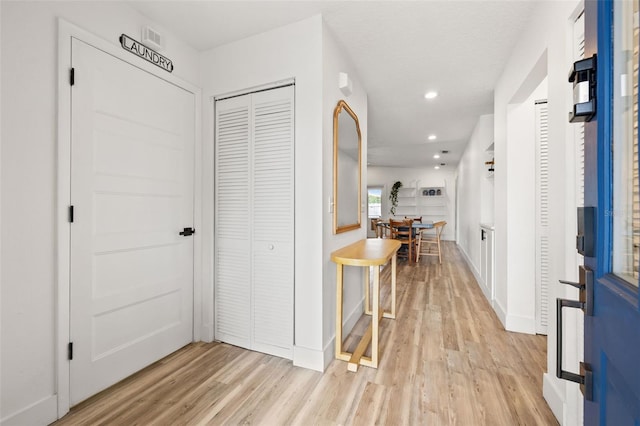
[(67, 31)]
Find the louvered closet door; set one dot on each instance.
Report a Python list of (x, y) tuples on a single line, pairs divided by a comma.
[(233, 222), (542, 216), (272, 218), (257, 301)]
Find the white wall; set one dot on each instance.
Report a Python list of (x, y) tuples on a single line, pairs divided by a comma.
[(386, 176), (475, 190), (294, 51), (521, 294), (543, 49), (28, 188), (307, 52), (334, 61)]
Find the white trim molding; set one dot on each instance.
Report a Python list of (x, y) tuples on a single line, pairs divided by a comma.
[(320, 360), (521, 324), (312, 359), (42, 412), (554, 396), (501, 312)]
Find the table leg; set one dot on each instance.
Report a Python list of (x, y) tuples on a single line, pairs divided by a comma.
[(393, 285), (375, 319), (367, 301), (339, 274)]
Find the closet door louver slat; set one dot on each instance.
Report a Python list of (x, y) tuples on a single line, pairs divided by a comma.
[(232, 290), (542, 216), (273, 221)]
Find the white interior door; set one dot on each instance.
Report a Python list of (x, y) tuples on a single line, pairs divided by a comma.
[(254, 221), (132, 156)]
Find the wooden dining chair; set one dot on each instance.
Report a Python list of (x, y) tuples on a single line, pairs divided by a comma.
[(377, 225), (402, 231), (374, 226), (430, 240)]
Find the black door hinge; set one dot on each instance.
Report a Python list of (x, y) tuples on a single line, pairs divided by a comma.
[(72, 76), (70, 214), (70, 351)]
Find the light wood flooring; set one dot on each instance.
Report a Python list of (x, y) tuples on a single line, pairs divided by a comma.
[(445, 360)]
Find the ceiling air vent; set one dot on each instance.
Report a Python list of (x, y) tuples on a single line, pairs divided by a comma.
[(151, 38), (445, 151)]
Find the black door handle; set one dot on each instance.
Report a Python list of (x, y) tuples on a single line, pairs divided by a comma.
[(585, 285), (187, 232), (585, 378)]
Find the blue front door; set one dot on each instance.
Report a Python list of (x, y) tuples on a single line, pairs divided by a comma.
[(612, 333)]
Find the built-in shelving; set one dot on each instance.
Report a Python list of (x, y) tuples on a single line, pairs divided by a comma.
[(432, 203), (406, 201), (428, 202)]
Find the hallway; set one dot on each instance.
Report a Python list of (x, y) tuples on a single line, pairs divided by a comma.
[(444, 360)]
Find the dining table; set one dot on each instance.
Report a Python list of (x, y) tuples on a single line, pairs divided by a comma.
[(415, 226)]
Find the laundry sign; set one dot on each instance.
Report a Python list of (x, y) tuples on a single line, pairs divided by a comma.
[(144, 52)]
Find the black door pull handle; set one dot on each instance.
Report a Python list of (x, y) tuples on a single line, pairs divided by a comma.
[(187, 232), (585, 302)]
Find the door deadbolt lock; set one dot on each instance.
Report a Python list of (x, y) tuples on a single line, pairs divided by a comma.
[(583, 77)]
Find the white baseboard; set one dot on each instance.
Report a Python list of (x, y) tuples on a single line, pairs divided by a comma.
[(329, 352), (207, 333), (554, 396), (347, 326), (313, 359), (475, 272), (42, 412), (483, 286), (501, 312), (521, 324)]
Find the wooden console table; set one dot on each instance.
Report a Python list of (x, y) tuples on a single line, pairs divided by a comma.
[(370, 252)]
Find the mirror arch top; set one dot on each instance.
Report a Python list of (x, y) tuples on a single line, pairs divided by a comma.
[(347, 169)]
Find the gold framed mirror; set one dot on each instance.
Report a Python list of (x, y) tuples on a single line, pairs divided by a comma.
[(347, 169)]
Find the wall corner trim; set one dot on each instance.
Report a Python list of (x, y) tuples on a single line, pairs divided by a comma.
[(312, 359), (521, 324)]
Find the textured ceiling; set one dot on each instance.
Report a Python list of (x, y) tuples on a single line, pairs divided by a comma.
[(401, 50)]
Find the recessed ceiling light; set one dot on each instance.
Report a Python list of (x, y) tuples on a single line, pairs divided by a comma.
[(436, 167), (436, 156), (431, 94), (432, 137)]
